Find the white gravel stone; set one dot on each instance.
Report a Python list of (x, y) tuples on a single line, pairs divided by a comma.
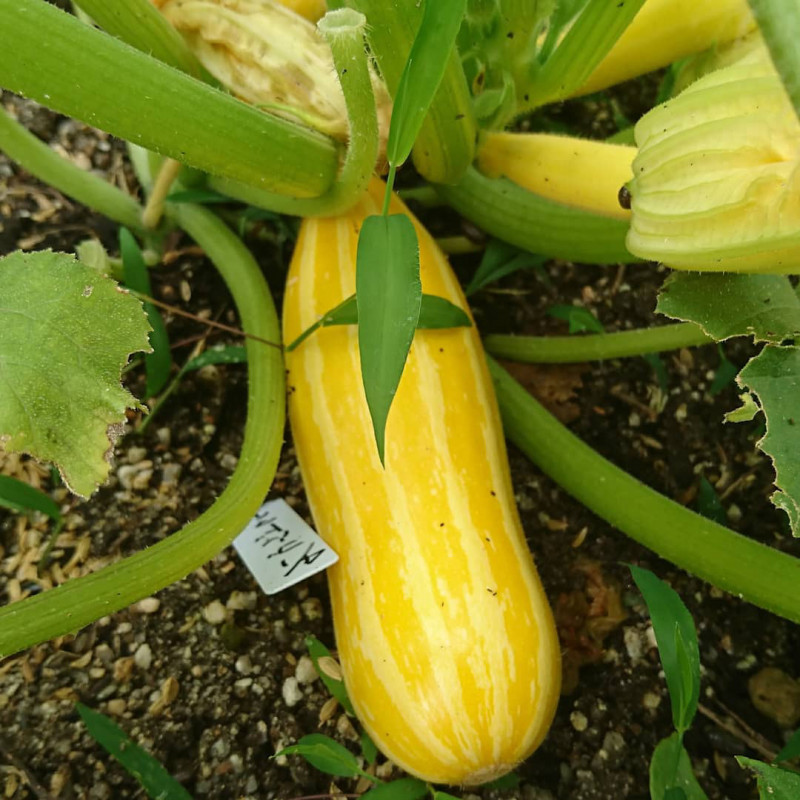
[(291, 691)]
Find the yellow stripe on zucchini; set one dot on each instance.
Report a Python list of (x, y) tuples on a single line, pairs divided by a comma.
[(445, 636)]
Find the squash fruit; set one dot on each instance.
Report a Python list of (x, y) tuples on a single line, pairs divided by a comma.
[(446, 640)]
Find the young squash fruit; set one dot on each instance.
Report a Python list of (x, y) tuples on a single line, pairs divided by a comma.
[(446, 640)]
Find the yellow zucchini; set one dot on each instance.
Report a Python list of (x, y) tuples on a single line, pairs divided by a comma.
[(445, 636)]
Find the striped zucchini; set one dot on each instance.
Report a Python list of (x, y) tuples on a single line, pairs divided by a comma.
[(445, 636)]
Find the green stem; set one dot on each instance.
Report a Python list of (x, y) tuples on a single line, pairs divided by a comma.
[(55, 59), (584, 46), (756, 573), (445, 145), (458, 245), (537, 224), (48, 166), (779, 22), (139, 24), (426, 196), (595, 347), (83, 600), (344, 32)]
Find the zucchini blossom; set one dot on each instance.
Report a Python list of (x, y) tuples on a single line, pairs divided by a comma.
[(716, 181)]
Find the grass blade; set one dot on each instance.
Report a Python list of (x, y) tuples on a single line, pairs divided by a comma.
[(389, 296), (422, 74), (677, 645), (20, 496), (158, 363), (155, 780)]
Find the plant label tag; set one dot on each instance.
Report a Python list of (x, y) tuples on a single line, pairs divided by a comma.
[(279, 549)]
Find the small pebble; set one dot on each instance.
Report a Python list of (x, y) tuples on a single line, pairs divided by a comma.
[(241, 601), (136, 454), (304, 671), (143, 657), (312, 608), (116, 706), (651, 701), (215, 613), (244, 666), (292, 694), (149, 605), (579, 721)]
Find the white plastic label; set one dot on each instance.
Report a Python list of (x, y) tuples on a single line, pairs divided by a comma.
[(280, 549)]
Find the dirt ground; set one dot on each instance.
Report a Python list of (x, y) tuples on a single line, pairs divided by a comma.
[(212, 676)]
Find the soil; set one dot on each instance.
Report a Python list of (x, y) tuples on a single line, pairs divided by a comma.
[(212, 676)]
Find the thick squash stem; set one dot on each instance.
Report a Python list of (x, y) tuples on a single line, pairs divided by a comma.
[(344, 31), (666, 30), (580, 173), (717, 178), (537, 223), (754, 572)]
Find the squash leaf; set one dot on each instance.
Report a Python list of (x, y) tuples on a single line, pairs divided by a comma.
[(65, 334), (725, 305), (389, 296), (774, 783), (774, 376)]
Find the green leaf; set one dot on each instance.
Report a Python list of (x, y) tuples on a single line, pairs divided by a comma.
[(202, 196), (709, 504), (316, 651), (389, 296), (746, 411), (155, 780), (401, 789), (791, 749), (65, 334), (434, 313), (422, 74), (20, 496), (725, 305), (368, 749), (677, 645), (774, 375), (659, 370), (232, 354), (774, 783), (444, 796), (671, 776), (501, 259), (158, 362), (724, 374), (504, 783), (325, 754), (579, 319)]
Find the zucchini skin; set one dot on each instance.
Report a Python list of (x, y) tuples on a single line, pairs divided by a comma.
[(446, 639)]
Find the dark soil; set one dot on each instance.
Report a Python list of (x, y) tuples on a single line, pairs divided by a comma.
[(211, 675)]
